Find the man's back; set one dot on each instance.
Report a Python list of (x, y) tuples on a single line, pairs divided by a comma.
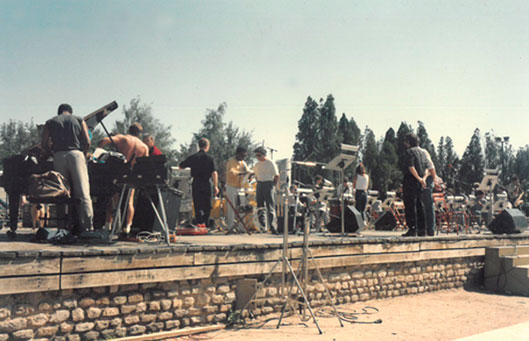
[(131, 146), (65, 132)]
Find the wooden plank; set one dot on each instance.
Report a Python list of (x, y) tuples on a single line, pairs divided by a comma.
[(19, 285), (173, 333), (95, 279), (354, 260), (123, 262), (237, 256), (29, 266)]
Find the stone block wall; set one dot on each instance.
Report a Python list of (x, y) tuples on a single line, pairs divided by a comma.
[(118, 311)]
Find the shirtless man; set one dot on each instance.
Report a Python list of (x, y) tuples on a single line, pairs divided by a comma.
[(132, 147)]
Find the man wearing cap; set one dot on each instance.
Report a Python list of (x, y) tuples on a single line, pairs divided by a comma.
[(267, 177), (236, 168)]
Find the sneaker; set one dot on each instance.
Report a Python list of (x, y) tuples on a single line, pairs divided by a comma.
[(410, 233)]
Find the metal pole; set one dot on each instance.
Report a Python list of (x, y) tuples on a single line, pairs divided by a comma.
[(342, 204), (285, 245)]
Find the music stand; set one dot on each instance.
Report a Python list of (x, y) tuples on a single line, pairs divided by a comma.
[(340, 163), (487, 185)]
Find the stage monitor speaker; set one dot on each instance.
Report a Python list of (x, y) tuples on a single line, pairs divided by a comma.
[(172, 209), (353, 221), (509, 221), (386, 222), (300, 222)]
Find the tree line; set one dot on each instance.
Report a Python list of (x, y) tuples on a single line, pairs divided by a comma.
[(319, 136)]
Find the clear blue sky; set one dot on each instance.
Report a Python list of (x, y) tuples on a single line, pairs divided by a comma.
[(455, 65)]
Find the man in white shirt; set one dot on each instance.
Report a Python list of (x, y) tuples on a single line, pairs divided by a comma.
[(267, 177)]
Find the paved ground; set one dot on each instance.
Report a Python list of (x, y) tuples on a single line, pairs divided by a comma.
[(442, 315)]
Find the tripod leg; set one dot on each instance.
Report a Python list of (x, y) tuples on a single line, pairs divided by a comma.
[(303, 294), (329, 297)]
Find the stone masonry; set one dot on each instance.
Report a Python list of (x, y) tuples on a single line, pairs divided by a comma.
[(118, 311)]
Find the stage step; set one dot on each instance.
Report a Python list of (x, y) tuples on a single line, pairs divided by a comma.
[(514, 261), (507, 269)]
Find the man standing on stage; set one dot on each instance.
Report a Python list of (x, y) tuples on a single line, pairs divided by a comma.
[(70, 141), (267, 177), (132, 147), (426, 194), (202, 169), (236, 168), (149, 141), (412, 186)]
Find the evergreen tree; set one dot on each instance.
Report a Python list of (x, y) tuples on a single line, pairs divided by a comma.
[(426, 143), (521, 164), (387, 176), (328, 137), (472, 163), (404, 129), (306, 147), (492, 152), (370, 151), (441, 157), (451, 164)]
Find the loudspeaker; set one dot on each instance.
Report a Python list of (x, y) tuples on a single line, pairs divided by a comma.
[(509, 221), (386, 222), (172, 201), (300, 222), (353, 221)]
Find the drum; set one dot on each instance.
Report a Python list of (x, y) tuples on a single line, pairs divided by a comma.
[(218, 208), (335, 207)]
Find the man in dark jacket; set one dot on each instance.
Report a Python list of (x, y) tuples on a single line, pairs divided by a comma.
[(202, 169), (412, 187)]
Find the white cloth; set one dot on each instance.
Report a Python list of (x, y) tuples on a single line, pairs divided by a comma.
[(346, 191), (362, 182), (265, 170)]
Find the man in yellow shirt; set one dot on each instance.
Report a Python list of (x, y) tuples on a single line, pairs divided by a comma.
[(236, 168)]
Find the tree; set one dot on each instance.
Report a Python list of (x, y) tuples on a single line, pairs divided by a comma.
[(387, 176), (426, 143), (404, 129), (370, 151), (142, 113), (472, 162), (451, 164), (521, 164), (16, 136), (441, 156), (492, 152), (306, 146), (224, 139), (327, 131)]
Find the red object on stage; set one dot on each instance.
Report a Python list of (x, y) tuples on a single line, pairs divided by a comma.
[(193, 231)]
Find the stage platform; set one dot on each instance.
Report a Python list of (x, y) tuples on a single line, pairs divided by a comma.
[(33, 267), (93, 292)]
